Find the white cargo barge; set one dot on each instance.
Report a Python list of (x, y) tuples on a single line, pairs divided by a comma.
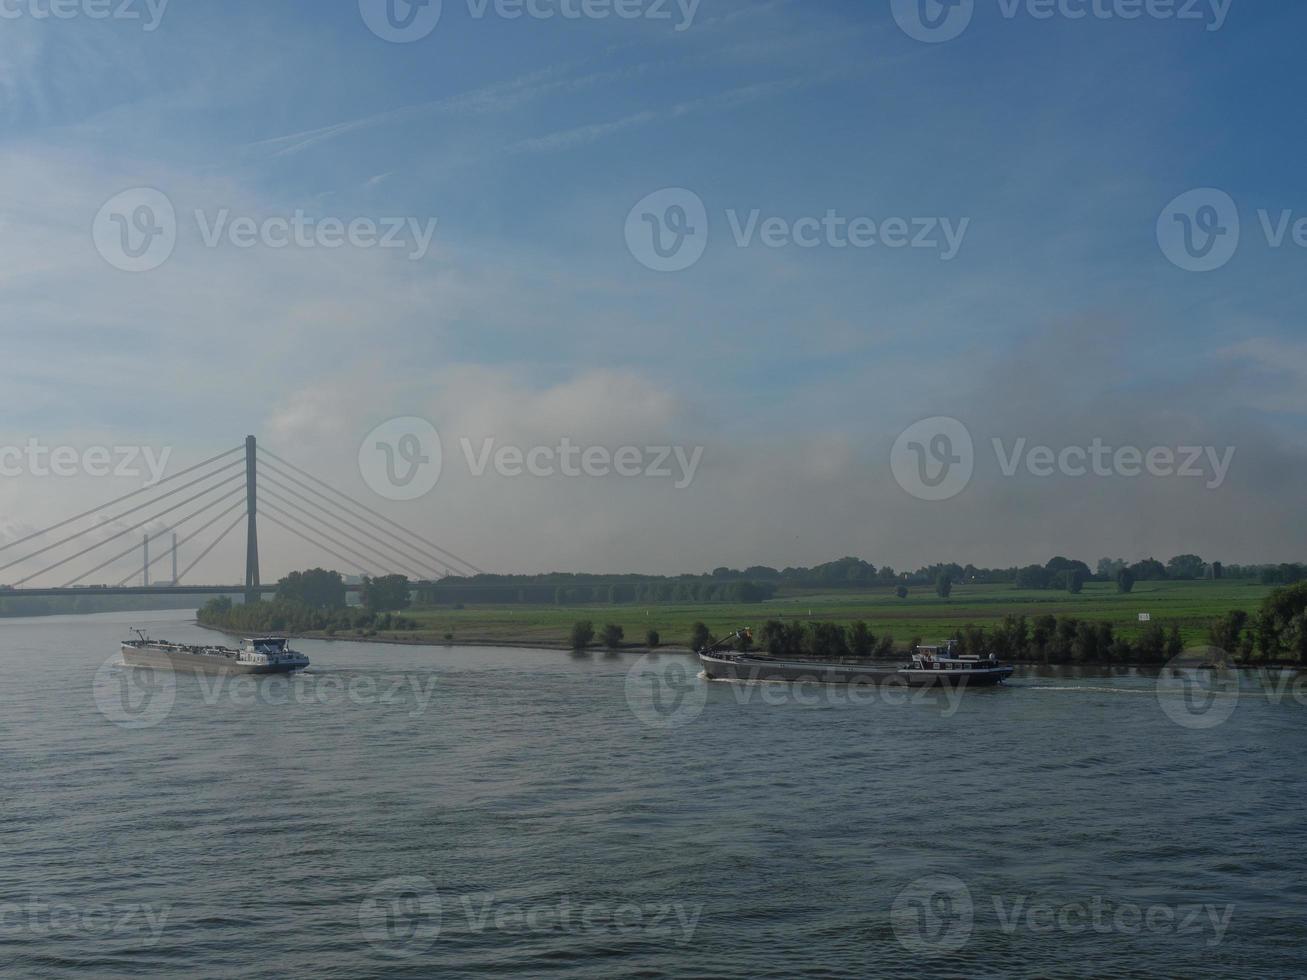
[(260, 655)]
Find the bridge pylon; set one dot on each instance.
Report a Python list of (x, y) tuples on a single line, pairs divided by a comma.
[(252, 593)]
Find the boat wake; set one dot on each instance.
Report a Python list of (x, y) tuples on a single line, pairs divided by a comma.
[(1080, 689)]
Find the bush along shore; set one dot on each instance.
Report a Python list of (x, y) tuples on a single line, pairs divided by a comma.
[(312, 604), (285, 616), (1276, 635)]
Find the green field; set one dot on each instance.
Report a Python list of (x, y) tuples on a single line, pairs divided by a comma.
[(1190, 605)]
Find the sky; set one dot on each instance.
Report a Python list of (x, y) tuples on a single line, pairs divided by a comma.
[(851, 264)]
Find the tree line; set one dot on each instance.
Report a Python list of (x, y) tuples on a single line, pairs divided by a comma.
[(315, 601), (759, 583), (1276, 633)]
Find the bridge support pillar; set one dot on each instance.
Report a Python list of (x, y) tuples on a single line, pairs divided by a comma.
[(252, 593)]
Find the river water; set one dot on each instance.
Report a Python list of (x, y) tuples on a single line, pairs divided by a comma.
[(420, 811)]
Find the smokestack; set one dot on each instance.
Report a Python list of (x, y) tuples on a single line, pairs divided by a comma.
[(174, 557), (145, 572)]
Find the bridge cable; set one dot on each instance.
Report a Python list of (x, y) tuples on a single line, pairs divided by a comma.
[(357, 555), (213, 544), (238, 496), (134, 527), (406, 541), (425, 559), (114, 520), (114, 503), (316, 544), (374, 513), (134, 547), (383, 559), (382, 547)]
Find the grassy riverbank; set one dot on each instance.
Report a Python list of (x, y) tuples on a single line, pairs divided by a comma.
[(1191, 606)]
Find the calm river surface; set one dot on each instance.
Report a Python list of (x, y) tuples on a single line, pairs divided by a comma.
[(420, 811)]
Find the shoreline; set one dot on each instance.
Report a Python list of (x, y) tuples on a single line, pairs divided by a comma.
[(638, 648), (438, 642)]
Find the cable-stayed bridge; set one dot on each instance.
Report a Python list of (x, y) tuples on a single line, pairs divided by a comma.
[(201, 506)]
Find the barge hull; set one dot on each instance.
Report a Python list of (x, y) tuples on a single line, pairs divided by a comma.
[(792, 671), (196, 662)]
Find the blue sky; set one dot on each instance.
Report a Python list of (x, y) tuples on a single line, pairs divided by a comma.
[(1060, 142)]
